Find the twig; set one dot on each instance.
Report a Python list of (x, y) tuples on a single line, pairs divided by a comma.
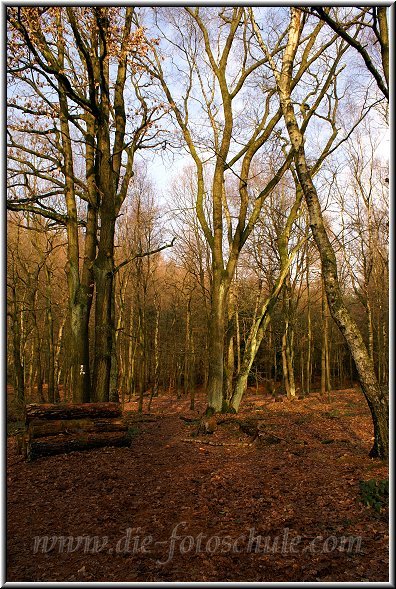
[(209, 443)]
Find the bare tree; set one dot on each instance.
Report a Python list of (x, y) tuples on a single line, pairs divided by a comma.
[(76, 61), (375, 395)]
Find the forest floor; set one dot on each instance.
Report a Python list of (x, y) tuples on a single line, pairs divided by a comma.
[(174, 507)]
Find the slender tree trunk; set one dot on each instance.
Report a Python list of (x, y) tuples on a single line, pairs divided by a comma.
[(375, 395), (370, 328), (285, 366), (80, 290), (32, 367), (156, 349), (309, 335), (57, 359), (252, 345), (229, 357), (40, 393), (192, 388), (187, 348), (323, 383), (290, 362), (51, 353), (255, 338), (19, 378), (238, 339), (328, 356)]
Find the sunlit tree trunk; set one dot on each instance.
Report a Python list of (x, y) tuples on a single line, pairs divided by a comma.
[(375, 396)]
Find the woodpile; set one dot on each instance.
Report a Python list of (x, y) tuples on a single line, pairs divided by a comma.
[(61, 428)]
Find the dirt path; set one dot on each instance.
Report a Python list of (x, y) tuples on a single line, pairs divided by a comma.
[(227, 495)]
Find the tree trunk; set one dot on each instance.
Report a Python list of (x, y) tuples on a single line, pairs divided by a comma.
[(229, 357), (104, 310), (187, 348), (19, 377), (51, 352), (375, 396), (252, 345), (216, 344), (57, 360), (39, 374), (323, 370), (255, 337), (309, 335)]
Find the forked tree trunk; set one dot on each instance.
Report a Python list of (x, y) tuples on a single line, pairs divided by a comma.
[(252, 345), (259, 328)]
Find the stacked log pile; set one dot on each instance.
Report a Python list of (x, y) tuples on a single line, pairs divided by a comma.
[(61, 428)]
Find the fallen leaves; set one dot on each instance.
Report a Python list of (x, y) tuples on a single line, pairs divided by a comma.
[(223, 486)]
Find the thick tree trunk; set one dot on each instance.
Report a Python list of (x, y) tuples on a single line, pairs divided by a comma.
[(79, 345), (104, 316), (216, 344)]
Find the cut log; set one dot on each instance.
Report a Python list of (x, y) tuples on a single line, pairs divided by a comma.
[(41, 427), (71, 411), (64, 443)]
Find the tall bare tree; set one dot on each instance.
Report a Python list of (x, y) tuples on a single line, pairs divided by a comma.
[(76, 61), (376, 396)]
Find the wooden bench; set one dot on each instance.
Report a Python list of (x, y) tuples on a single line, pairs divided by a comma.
[(61, 428)]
